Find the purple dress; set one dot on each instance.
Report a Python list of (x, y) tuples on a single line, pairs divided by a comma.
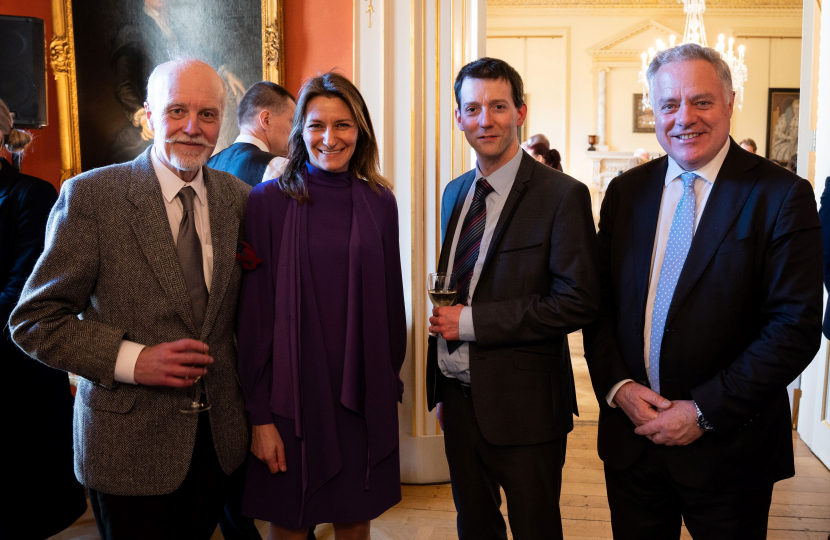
[(322, 336)]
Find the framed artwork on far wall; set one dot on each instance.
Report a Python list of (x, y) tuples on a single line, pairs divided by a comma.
[(782, 124), (103, 52), (643, 116)]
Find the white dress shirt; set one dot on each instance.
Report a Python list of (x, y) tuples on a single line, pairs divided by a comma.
[(671, 197), (457, 364), (170, 185), (275, 167)]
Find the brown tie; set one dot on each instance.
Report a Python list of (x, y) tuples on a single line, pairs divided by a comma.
[(190, 257)]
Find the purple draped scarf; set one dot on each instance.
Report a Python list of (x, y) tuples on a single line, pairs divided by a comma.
[(370, 385)]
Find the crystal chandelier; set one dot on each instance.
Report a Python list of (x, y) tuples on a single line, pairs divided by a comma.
[(696, 33)]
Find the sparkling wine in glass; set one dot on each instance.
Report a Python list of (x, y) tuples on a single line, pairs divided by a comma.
[(442, 289)]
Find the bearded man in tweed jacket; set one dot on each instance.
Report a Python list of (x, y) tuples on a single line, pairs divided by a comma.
[(136, 292)]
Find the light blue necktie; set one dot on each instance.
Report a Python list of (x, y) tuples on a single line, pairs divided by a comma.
[(677, 247)]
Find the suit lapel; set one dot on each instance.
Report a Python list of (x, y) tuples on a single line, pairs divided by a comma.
[(446, 245), (645, 228), (224, 232), (152, 229), (517, 191), (729, 194)]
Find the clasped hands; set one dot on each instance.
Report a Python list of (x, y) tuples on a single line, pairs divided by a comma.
[(660, 420), (444, 321)]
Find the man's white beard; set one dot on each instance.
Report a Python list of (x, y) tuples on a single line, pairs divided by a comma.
[(189, 163)]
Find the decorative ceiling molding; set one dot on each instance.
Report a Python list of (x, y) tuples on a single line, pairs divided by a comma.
[(605, 50), (650, 4), (766, 32)]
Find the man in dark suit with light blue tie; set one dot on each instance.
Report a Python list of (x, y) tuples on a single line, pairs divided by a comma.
[(519, 237), (711, 272)]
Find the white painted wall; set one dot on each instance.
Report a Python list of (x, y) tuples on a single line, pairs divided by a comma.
[(560, 74)]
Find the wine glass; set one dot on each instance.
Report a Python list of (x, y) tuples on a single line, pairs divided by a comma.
[(442, 289), (198, 398)]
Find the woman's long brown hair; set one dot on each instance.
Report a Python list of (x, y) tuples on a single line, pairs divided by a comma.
[(365, 162)]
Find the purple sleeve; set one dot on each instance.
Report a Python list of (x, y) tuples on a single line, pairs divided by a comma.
[(256, 312), (395, 309)]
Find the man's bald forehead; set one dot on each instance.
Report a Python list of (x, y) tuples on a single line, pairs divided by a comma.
[(160, 78)]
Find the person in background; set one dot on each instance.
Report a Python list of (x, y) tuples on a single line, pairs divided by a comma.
[(701, 328), (643, 154), (136, 292), (520, 239), (541, 153), (792, 164), (322, 326), (258, 154), (535, 139), (749, 145), (42, 495), (636, 161)]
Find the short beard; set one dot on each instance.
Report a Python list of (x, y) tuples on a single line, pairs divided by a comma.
[(189, 162)]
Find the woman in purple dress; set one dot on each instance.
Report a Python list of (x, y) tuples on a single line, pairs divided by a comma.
[(322, 328)]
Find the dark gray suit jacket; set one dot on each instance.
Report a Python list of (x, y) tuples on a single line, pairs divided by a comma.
[(109, 272), (539, 282)]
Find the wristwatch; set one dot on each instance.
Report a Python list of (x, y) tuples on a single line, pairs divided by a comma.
[(702, 423)]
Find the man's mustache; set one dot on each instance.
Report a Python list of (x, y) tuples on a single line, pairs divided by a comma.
[(189, 140)]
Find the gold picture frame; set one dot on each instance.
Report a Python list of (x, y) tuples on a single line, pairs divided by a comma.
[(63, 59)]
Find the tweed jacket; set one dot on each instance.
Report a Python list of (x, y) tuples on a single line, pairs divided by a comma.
[(109, 272)]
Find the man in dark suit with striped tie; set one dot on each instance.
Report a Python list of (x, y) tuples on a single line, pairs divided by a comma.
[(519, 237)]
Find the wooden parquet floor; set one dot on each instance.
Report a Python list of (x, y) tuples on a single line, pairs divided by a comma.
[(800, 505)]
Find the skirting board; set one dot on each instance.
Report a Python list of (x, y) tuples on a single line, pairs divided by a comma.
[(423, 460)]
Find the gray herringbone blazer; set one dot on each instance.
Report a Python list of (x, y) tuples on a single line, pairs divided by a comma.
[(109, 272)]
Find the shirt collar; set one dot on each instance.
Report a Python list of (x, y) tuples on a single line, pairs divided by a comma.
[(250, 139), (171, 184), (708, 172), (503, 178)]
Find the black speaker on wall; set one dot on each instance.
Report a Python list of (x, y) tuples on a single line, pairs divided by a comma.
[(23, 70)]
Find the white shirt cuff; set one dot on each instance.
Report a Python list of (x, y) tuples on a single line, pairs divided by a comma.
[(466, 332), (610, 397), (125, 362)]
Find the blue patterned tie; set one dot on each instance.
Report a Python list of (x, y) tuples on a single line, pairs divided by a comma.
[(677, 247), (469, 242)]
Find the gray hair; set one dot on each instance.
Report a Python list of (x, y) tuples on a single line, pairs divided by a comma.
[(14, 140), (160, 73), (690, 51)]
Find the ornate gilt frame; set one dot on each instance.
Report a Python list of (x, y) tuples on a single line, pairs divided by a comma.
[(62, 56)]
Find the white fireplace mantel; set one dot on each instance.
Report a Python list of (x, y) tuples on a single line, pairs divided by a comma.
[(607, 165)]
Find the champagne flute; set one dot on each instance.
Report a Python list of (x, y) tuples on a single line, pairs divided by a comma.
[(196, 392)]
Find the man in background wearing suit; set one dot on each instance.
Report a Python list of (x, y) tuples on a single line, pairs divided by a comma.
[(520, 239), (711, 272), (136, 292), (265, 117)]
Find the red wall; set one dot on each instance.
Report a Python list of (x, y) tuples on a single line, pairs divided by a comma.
[(318, 38), (43, 157)]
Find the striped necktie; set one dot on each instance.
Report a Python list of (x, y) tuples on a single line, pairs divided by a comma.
[(677, 247), (469, 242)]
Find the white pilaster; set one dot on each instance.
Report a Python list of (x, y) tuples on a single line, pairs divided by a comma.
[(405, 67)]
